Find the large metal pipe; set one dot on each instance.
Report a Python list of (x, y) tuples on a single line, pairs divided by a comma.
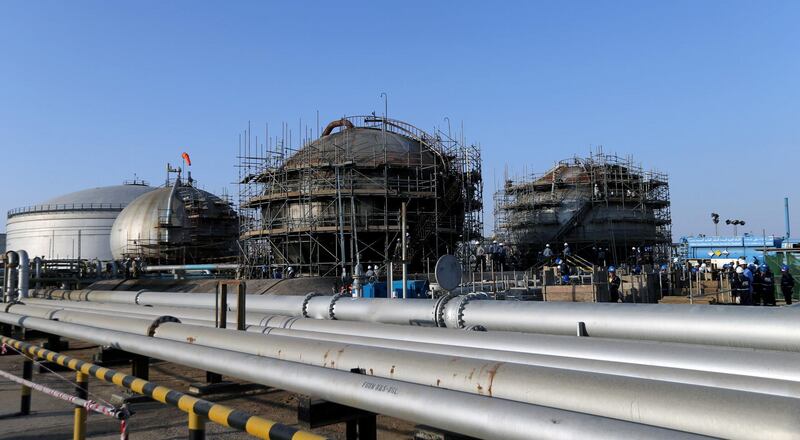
[(190, 267), (751, 327), (467, 414), (23, 274), (694, 377), (12, 261), (779, 365)]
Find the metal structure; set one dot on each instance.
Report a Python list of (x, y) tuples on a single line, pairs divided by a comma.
[(176, 224), (72, 226), (334, 202), (603, 201)]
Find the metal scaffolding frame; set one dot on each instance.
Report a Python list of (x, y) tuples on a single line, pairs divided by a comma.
[(334, 201), (558, 206)]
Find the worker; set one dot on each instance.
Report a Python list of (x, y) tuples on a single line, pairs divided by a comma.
[(567, 250), (742, 287), (767, 286), (370, 274), (787, 284), (758, 286), (547, 252), (290, 272), (614, 283)]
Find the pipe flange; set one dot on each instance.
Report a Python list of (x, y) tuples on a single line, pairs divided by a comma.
[(463, 300), (160, 320), (438, 309), (335, 298), (304, 307)]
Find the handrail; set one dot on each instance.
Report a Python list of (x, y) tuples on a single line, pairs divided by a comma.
[(220, 414), (67, 207)]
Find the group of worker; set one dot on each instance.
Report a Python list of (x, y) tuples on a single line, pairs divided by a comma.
[(753, 284)]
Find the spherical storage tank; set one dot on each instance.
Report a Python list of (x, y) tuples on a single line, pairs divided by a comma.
[(176, 225), (74, 225)]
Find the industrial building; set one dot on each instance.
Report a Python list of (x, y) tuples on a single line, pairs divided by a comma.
[(338, 200), (72, 226), (176, 224), (600, 202)]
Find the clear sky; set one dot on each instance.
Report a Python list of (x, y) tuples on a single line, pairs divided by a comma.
[(93, 92)]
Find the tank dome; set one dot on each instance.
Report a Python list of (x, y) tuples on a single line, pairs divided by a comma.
[(74, 225), (196, 226)]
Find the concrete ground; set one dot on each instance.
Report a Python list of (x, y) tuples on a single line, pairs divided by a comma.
[(52, 419)]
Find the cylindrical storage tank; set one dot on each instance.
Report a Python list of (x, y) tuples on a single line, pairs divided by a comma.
[(180, 224), (75, 225)]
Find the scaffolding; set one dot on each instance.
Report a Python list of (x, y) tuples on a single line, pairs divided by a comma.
[(602, 203), (334, 202)]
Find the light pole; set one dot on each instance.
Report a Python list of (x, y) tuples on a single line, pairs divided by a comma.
[(715, 219), (385, 107), (735, 224)]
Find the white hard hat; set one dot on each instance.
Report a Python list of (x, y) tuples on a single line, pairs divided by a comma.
[(502, 244), (566, 244), (739, 269), (547, 245), (369, 267), (494, 241)]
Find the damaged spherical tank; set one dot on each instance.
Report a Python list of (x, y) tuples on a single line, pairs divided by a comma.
[(176, 225), (74, 225)]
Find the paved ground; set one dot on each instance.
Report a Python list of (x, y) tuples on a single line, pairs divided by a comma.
[(51, 418)]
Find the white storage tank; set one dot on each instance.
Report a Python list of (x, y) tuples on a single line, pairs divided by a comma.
[(75, 225)]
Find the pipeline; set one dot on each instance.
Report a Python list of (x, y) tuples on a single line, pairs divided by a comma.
[(748, 327), (778, 365), (344, 122), (468, 414), (671, 405), (190, 267), (23, 274), (10, 275)]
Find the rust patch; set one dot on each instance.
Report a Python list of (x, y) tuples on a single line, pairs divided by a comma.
[(190, 339), (480, 389), (438, 381), (491, 373), (392, 370), (371, 373)]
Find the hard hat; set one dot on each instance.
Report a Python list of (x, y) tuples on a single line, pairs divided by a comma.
[(703, 265), (751, 266), (502, 244), (741, 261), (633, 248), (739, 269), (566, 244), (494, 241), (369, 267), (663, 267), (612, 269), (547, 245), (558, 260), (289, 268), (784, 268), (763, 268)]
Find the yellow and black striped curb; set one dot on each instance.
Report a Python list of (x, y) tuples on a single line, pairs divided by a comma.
[(220, 414)]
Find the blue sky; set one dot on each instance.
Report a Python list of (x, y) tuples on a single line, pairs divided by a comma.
[(93, 92)]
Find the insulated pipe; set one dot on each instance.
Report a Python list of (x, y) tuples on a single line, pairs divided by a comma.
[(12, 261), (752, 327), (729, 381), (665, 404), (23, 274), (144, 325), (194, 267), (471, 415), (778, 365)]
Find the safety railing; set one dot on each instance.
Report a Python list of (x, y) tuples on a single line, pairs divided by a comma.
[(199, 410), (67, 207)]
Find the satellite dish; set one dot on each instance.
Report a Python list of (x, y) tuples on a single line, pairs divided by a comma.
[(448, 272)]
